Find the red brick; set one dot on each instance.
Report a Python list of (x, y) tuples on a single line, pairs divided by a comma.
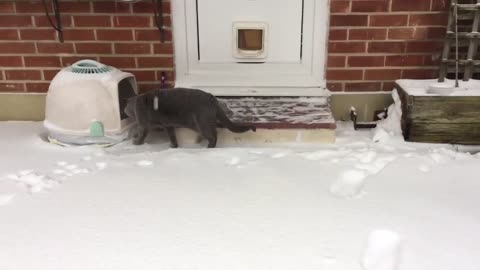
[(17, 47), (78, 35), (366, 61), (92, 21), (157, 62), (30, 7), (10, 61), (42, 21), (151, 35), (428, 19), (348, 20), (336, 61), (49, 74), (147, 7), (8, 34), (363, 86), (386, 47), (40, 87), (111, 7), (420, 73), (94, 48), (336, 87), (383, 74), (337, 34), (170, 75), (143, 75), (75, 7), (7, 7), (388, 20), (15, 21), (42, 61), (55, 47), (70, 60), (404, 60), (424, 46), (411, 5), (132, 21), (436, 32), (165, 48), (133, 48), (12, 87), (23, 74), (367, 34), (340, 6), (388, 86), (407, 33), (38, 34), (114, 35), (119, 62), (346, 47), (344, 74), (145, 87), (440, 5), (370, 6), (432, 59)]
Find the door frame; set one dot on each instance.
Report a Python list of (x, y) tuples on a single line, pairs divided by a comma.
[(305, 78)]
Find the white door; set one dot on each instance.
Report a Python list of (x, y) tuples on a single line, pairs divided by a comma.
[(217, 18), (251, 47)]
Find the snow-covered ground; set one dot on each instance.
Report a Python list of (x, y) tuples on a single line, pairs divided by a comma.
[(352, 205)]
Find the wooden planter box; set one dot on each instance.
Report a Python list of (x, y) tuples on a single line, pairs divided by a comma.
[(440, 119)]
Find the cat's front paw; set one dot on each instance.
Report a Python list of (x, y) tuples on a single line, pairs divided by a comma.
[(174, 145), (136, 141)]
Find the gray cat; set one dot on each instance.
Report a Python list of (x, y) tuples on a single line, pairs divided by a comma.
[(179, 107)]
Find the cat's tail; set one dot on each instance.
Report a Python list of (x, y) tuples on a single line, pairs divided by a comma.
[(223, 118)]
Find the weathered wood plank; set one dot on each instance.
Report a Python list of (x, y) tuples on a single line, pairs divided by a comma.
[(441, 109), (443, 133), (440, 119)]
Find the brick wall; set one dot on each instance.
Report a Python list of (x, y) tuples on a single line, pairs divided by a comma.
[(374, 42), (117, 34)]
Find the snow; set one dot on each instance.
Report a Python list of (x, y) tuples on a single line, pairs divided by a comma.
[(421, 87), (356, 204), (382, 251)]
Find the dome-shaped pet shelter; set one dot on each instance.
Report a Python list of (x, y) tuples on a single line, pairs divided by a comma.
[(85, 104)]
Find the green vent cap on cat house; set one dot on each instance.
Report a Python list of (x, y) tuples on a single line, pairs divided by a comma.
[(90, 67)]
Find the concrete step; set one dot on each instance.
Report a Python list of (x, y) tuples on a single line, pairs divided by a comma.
[(278, 120)]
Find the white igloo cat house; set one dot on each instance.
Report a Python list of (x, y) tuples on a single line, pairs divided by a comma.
[(85, 104)]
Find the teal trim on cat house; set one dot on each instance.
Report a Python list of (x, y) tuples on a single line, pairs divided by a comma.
[(96, 129)]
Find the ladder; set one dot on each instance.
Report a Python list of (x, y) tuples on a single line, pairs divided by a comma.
[(463, 38)]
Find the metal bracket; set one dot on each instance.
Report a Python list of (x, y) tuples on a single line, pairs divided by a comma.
[(357, 125), (158, 17), (58, 25)]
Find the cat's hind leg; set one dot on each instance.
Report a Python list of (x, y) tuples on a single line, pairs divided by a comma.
[(140, 135), (208, 129), (172, 137)]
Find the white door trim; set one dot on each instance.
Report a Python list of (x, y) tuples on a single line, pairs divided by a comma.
[(307, 76)]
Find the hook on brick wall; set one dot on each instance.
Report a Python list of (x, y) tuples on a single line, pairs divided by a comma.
[(58, 25), (158, 17), (163, 79)]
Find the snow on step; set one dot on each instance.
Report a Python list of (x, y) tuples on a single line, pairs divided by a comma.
[(281, 113), (382, 251)]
